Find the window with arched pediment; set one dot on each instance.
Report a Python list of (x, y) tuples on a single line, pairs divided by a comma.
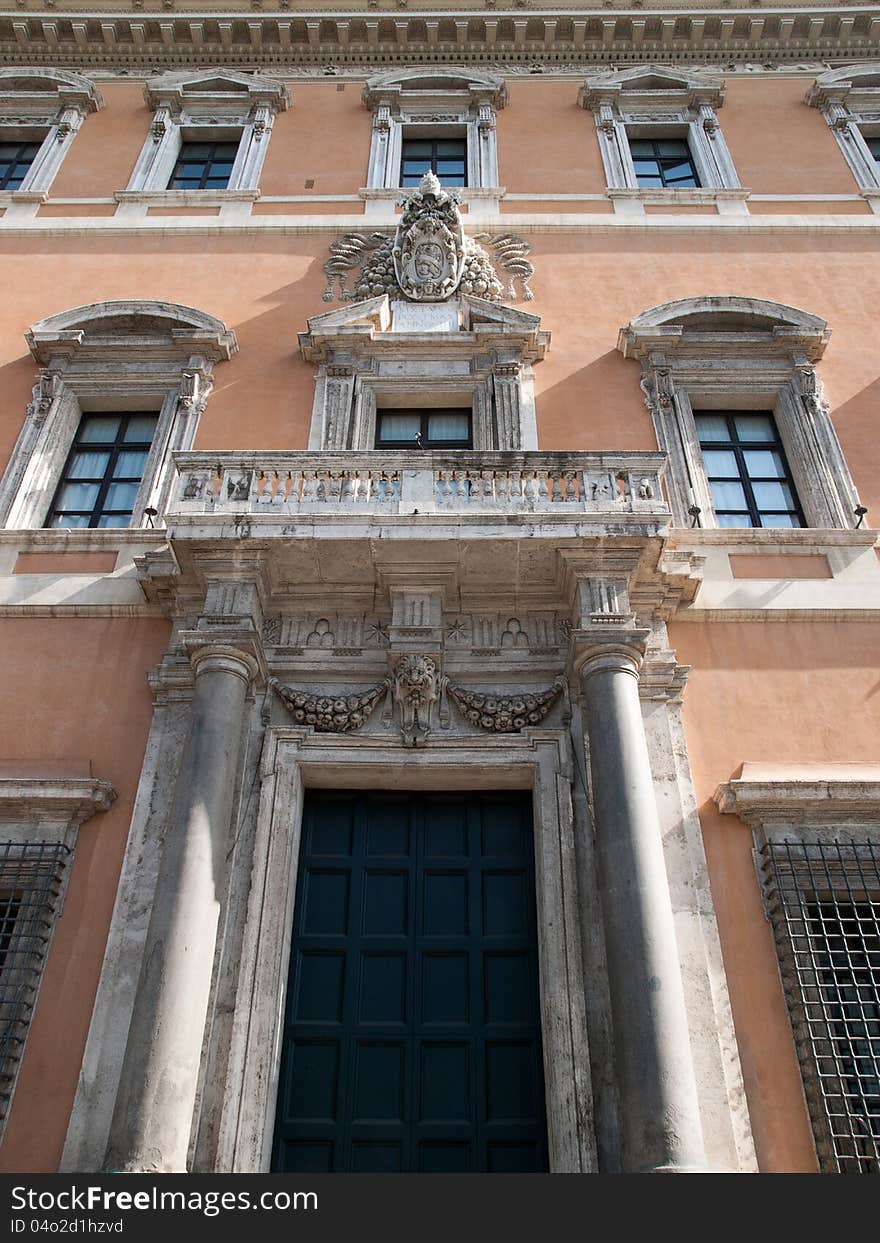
[(738, 406), (122, 384)]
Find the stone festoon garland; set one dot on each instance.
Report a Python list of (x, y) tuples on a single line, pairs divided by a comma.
[(327, 713), (505, 714)]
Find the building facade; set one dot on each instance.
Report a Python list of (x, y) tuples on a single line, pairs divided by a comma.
[(439, 592)]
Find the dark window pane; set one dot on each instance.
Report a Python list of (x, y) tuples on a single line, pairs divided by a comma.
[(16, 159), (203, 166), (749, 486), (425, 429), (99, 488), (447, 157), (662, 162)]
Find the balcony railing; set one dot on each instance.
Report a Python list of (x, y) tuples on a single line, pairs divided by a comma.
[(463, 482)]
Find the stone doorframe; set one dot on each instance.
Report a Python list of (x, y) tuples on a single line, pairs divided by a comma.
[(294, 760)]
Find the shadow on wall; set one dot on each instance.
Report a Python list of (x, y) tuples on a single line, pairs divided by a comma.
[(596, 407)]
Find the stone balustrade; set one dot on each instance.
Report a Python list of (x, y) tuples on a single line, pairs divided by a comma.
[(399, 483)]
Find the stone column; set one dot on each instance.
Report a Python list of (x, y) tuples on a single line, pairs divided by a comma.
[(659, 1115), (153, 1117)]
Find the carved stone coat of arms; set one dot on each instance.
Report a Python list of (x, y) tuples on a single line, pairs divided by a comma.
[(428, 249), (429, 258)]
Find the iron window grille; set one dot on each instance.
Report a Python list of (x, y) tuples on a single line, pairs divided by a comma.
[(445, 157), (31, 881), (824, 905), (663, 163), (747, 470), (423, 429), (16, 159), (203, 166), (100, 481)]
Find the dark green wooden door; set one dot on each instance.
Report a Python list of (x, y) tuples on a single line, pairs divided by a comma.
[(412, 1031)]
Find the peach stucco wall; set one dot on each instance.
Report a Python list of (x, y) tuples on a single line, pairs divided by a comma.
[(587, 285), (773, 692), (778, 144), (76, 696), (107, 146)]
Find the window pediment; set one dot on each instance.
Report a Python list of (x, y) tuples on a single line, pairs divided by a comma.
[(727, 324), (210, 90), (176, 330), (409, 86), (651, 86), (45, 91), (857, 87)]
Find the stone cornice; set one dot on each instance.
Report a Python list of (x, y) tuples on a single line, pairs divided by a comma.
[(522, 39)]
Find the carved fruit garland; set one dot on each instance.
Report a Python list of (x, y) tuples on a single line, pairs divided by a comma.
[(330, 714), (505, 714)]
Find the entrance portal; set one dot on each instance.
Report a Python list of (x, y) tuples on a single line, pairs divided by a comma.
[(412, 1038)]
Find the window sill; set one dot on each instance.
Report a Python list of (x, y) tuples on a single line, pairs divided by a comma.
[(7, 197), (186, 198), (392, 193), (689, 194)]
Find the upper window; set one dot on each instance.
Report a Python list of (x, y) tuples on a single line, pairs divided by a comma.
[(209, 132), (40, 113), (16, 159), (442, 119), (738, 407), (203, 166), (658, 129), (423, 429), (849, 99), (122, 386), (100, 482), (663, 162), (445, 157)]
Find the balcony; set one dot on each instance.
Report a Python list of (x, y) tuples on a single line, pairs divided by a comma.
[(269, 490)]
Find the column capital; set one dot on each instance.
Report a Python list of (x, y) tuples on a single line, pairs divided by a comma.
[(235, 650), (618, 647)]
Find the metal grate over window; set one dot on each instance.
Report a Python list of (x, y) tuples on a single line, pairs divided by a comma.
[(825, 911), (31, 879)]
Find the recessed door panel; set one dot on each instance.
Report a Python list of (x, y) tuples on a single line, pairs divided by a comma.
[(412, 1031)]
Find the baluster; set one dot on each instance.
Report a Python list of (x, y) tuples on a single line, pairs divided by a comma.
[(570, 485), (532, 488), (291, 487), (445, 487), (502, 487), (310, 486), (321, 492), (488, 485), (555, 489), (348, 486)]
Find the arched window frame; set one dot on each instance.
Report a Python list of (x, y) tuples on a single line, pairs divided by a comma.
[(117, 355), (740, 353), (48, 105)]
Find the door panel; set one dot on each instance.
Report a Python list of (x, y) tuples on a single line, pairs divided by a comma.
[(412, 1028)]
